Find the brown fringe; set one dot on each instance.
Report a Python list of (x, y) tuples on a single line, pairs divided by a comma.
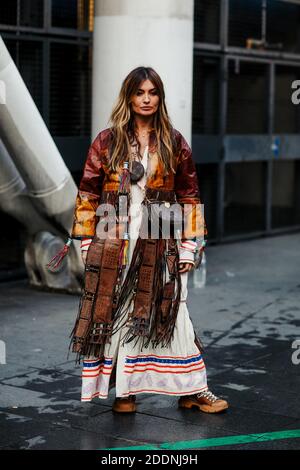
[(137, 327), (128, 289), (159, 328), (131, 277), (93, 334), (93, 343), (165, 324), (158, 287), (141, 328), (78, 356)]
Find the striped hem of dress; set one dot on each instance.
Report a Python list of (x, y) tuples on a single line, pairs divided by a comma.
[(164, 392)]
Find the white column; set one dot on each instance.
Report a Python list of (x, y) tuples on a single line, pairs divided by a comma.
[(132, 33)]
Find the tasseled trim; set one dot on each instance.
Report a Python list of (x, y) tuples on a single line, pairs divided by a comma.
[(159, 328), (164, 323), (57, 259), (89, 335), (124, 186), (128, 288), (158, 287), (138, 327), (76, 342), (93, 343)]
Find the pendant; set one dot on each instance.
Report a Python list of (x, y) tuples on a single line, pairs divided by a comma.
[(137, 171)]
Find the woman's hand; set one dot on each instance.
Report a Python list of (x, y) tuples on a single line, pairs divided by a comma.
[(185, 267)]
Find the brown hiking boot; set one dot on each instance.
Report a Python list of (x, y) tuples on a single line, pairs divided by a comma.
[(204, 401), (124, 405)]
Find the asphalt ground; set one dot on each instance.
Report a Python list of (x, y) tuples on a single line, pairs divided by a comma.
[(248, 317)]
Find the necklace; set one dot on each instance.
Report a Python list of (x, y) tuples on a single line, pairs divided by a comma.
[(136, 168), (144, 133), (139, 137)]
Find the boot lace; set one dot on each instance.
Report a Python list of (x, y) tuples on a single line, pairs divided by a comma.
[(209, 395)]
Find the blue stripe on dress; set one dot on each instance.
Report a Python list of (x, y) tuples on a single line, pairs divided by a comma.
[(94, 364), (164, 361)]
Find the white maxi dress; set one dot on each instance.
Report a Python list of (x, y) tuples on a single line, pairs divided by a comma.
[(177, 369)]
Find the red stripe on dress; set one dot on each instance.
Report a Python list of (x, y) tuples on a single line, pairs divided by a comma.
[(92, 369), (168, 366), (165, 370), (108, 369), (164, 392), (95, 375)]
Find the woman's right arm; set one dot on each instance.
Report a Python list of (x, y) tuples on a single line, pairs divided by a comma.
[(88, 196)]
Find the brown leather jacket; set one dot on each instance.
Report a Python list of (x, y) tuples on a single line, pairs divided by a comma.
[(98, 184)]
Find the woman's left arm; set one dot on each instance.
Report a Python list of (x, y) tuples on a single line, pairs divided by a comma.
[(187, 194)]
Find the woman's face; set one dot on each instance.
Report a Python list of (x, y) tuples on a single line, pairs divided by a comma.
[(145, 101)]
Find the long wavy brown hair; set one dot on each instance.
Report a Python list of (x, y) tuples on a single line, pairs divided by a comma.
[(123, 125)]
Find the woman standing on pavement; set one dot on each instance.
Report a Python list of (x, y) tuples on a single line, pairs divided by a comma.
[(133, 328)]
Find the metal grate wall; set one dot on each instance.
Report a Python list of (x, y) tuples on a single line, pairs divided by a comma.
[(8, 12), (245, 125), (283, 25), (205, 95), (244, 21), (32, 13), (247, 107), (244, 197), (206, 21), (70, 89)]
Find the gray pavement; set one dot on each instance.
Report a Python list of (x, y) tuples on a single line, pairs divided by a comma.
[(248, 316)]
